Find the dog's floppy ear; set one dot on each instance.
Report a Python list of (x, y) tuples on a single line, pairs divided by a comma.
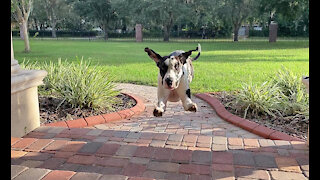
[(153, 55), (184, 56)]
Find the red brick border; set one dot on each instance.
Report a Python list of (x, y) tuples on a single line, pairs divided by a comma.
[(103, 118), (250, 126)]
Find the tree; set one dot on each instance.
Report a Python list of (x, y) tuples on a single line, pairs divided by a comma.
[(100, 11), (238, 11), (21, 10), (157, 13), (53, 9), (72, 21), (50, 12), (287, 8), (166, 13), (129, 17), (38, 17), (205, 16), (291, 15)]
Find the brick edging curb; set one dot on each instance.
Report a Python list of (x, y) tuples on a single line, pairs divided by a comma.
[(250, 126), (103, 118)]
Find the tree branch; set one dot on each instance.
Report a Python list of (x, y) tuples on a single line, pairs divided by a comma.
[(23, 9), (19, 13), (28, 9)]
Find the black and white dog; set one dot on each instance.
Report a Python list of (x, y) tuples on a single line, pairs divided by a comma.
[(176, 73)]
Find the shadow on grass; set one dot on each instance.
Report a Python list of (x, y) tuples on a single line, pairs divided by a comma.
[(115, 50)]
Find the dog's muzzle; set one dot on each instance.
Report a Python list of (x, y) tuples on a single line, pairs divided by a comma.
[(169, 82)]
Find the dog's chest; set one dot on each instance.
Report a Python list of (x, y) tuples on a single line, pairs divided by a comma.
[(173, 97)]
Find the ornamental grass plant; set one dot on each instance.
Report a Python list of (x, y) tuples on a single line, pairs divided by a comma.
[(283, 95), (258, 99), (295, 99), (77, 83)]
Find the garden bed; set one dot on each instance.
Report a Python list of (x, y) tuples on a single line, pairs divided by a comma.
[(50, 112), (296, 126)]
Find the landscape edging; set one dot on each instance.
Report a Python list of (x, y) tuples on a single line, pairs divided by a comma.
[(103, 118), (250, 126)]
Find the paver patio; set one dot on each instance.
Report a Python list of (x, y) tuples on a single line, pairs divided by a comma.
[(179, 145), (175, 120)]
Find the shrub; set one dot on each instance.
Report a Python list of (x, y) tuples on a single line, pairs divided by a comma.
[(263, 99), (296, 98), (77, 83), (282, 95)]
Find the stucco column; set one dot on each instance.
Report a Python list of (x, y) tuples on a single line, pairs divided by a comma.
[(25, 115), (12, 55)]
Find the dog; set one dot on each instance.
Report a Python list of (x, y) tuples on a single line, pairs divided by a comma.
[(175, 75), (305, 81)]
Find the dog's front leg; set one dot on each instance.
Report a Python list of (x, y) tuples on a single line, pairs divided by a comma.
[(185, 96), (163, 95)]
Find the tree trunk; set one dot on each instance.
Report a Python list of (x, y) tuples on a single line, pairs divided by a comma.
[(203, 33), (106, 34), (236, 33), (26, 37), (37, 25), (105, 29), (21, 31), (166, 33), (178, 30), (270, 18), (53, 31), (53, 23)]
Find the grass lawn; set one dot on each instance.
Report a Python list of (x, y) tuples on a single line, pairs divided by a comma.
[(222, 66)]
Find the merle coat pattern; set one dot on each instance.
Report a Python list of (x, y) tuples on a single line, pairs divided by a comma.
[(175, 74)]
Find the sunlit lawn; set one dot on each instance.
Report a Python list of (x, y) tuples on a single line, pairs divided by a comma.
[(222, 66)]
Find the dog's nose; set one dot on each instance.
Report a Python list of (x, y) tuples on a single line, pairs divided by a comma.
[(169, 81)]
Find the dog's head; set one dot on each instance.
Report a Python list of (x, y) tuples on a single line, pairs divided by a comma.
[(171, 66)]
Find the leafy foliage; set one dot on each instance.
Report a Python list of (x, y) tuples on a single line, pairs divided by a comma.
[(101, 12), (218, 17), (295, 99), (283, 95), (77, 83), (263, 99)]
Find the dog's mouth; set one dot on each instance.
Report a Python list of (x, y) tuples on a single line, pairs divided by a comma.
[(169, 87), (172, 86)]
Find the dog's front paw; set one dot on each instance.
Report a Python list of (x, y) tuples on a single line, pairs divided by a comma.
[(193, 107), (157, 112)]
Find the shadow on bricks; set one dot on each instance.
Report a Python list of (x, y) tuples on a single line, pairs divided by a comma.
[(109, 152)]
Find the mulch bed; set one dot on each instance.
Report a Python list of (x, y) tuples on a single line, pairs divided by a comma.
[(49, 112), (296, 126)]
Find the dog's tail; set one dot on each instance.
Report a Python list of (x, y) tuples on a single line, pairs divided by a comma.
[(199, 51)]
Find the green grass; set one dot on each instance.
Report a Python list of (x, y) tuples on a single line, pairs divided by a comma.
[(222, 66)]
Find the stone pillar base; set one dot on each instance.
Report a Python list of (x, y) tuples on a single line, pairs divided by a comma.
[(138, 33), (273, 32), (24, 112), (25, 115)]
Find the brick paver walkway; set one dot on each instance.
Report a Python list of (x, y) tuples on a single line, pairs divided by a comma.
[(180, 145), (175, 120)]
